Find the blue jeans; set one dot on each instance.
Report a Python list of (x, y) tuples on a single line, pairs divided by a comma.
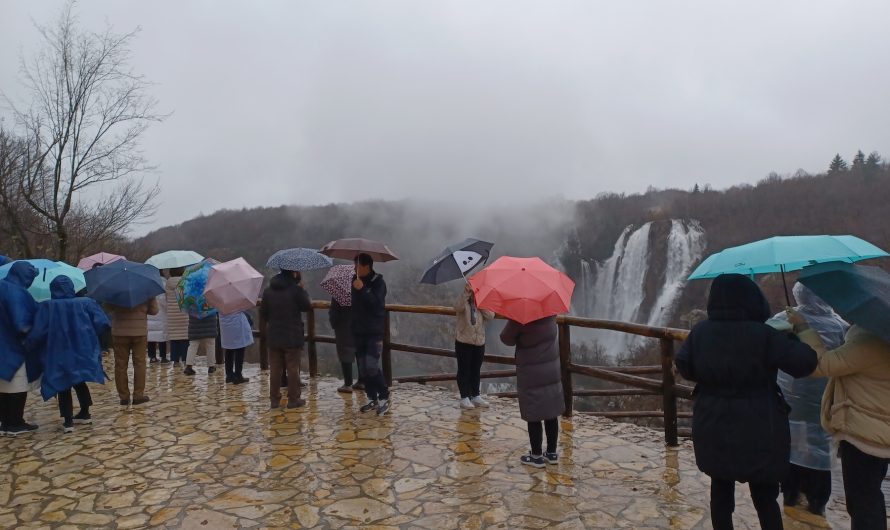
[(368, 350)]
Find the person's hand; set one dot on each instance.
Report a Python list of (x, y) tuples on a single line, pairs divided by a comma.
[(301, 284), (358, 284), (795, 318)]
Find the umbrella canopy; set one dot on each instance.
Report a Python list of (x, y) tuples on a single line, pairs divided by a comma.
[(190, 290), (233, 286), (522, 289), (338, 283), (173, 259), (298, 259), (456, 261), (859, 294), (102, 258), (47, 271), (124, 283), (350, 248)]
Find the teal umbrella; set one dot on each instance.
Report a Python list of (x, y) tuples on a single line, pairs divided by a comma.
[(47, 271), (173, 259)]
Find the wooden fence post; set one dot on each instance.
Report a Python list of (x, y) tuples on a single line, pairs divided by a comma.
[(565, 361), (387, 349), (264, 349), (668, 392), (310, 343)]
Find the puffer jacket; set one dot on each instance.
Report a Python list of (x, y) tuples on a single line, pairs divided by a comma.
[(203, 328), (284, 301), (177, 320), (538, 375), (131, 322), (157, 324)]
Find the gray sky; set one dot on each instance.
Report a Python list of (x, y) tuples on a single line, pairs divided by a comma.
[(279, 102)]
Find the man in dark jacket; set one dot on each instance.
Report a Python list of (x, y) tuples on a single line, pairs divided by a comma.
[(740, 426), (368, 321), (284, 301)]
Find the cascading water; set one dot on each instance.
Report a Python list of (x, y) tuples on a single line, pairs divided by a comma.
[(686, 243)]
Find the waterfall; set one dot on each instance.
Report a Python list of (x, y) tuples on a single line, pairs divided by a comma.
[(686, 243)]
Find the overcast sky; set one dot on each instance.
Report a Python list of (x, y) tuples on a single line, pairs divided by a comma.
[(280, 102)]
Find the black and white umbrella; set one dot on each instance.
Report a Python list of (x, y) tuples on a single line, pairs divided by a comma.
[(456, 261)]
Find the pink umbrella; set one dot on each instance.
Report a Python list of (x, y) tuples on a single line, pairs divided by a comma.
[(102, 258), (338, 283), (233, 286)]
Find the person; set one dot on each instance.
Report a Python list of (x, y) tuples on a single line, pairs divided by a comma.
[(17, 311), (157, 332), (177, 321), (539, 385), (740, 427), (235, 335), (856, 412), (469, 347), (368, 321), (202, 339), (65, 337), (282, 306), (129, 334), (340, 317), (810, 471)]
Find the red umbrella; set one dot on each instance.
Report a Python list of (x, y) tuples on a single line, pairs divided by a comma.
[(522, 289), (350, 248)]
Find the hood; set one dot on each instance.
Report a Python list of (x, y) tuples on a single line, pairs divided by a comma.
[(281, 281), (22, 274), (737, 297), (809, 302), (4, 260), (61, 287)]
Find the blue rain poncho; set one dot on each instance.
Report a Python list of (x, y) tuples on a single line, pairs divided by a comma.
[(65, 338), (810, 444), (17, 309)]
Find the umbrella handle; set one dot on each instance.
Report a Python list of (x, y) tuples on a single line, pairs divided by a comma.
[(785, 286)]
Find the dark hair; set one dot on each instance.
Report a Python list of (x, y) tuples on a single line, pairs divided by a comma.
[(298, 278), (178, 271), (364, 260)]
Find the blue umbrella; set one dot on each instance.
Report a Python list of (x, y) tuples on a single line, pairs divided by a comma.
[(299, 259), (47, 271), (124, 283), (190, 290), (457, 260), (859, 294)]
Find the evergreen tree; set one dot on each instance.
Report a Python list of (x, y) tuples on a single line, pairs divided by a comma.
[(838, 165), (859, 162), (696, 189), (873, 164)]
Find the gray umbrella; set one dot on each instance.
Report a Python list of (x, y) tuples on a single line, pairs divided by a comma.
[(299, 259)]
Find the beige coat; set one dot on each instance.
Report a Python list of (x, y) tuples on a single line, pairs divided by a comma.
[(465, 331), (177, 320), (132, 322), (856, 403)]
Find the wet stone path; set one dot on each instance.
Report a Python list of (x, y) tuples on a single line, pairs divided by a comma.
[(203, 454)]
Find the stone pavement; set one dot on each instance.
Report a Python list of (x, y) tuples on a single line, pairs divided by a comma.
[(207, 455)]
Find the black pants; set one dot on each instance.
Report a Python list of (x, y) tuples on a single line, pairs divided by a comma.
[(234, 362), (12, 409), (178, 350), (346, 368), (536, 435), (863, 476), (367, 352), (66, 406), (159, 347), (469, 363), (763, 495), (815, 484)]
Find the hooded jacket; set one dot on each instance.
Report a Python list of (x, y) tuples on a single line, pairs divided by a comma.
[(17, 310), (65, 338), (538, 373), (740, 420), (369, 307), (284, 302)]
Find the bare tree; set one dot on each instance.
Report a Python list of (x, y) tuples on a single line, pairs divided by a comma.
[(87, 113)]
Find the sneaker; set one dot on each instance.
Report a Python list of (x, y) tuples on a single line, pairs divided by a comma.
[(465, 403), (140, 400), (211, 369), (532, 460), (295, 404), (164, 361), (240, 379), (83, 418), (68, 426), (358, 386), (551, 458), (370, 405), (189, 370), (152, 360), (16, 430), (125, 402), (345, 389), (230, 379), (383, 407), (479, 402)]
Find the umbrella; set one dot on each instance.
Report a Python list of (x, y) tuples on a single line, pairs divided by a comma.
[(338, 283), (173, 259), (190, 290), (48, 270), (102, 258), (457, 260), (124, 283), (522, 289), (350, 248), (784, 254), (859, 294), (233, 286), (298, 259)]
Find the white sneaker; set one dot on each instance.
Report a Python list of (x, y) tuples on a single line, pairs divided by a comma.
[(479, 402), (465, 404)]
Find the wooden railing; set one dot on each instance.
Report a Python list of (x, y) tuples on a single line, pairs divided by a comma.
[(633, 377)]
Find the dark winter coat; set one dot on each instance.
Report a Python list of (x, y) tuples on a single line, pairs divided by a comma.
[(203, 328), (538, 376), (369, 307), (340, 318), (740, 420), (284, 301), (17, 310)]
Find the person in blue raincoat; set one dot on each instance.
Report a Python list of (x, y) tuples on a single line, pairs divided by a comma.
[(810, 472), (17, 309), (65, 337), (4, 260)]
